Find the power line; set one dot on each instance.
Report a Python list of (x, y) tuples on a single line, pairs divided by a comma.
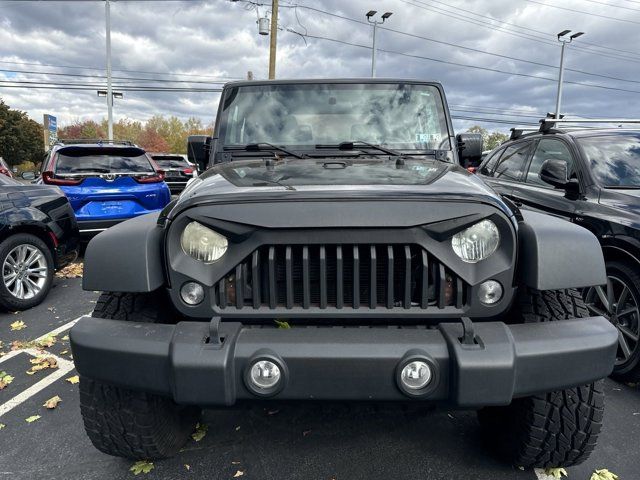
[(509, 57), (585, 13), (612, 5), (527, 36), (477, 67)]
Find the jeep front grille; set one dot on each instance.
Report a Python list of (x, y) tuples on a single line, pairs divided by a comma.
[(342, 277)]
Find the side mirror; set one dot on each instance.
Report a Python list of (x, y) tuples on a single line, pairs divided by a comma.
[(28, 175), (555, 171), (198, 150), (469, 148)]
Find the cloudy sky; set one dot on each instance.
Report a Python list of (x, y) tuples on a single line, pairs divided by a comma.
[(497, 59)]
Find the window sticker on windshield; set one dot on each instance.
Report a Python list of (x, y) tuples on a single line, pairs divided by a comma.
[(428, 138)]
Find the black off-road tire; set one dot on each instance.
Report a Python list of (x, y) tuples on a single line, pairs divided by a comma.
[(556, 429), (7, 300), (128, 423)]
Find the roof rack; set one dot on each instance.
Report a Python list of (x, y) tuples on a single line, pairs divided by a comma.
[(517, 132), (63, 141), (547, 124)]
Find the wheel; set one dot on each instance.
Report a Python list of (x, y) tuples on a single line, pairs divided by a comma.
[(619, 302), (128, 423), (27, 271), (556, 429)]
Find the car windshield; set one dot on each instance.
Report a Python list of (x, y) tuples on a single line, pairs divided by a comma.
[(170, 162), (398, 115), (79, 160), (614, 159)]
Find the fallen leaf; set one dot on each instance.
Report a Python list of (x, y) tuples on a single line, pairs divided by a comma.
[(65, 338), (51, 309), (235, 463), (5, 379), (73, 270), (73, 380), (306, 432), (603, 474), (32, 419), (141, 466), (46, 342), (42, 363), (2, 425), (64, 352), (52, 402), (632, 385), (272, 412), (187, 467), (201, 431), (555, 472), (239, 473), (18, 325), (238, 428), (282, 323)]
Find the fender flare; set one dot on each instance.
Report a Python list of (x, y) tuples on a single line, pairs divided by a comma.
[(126, 258), (554, 254)]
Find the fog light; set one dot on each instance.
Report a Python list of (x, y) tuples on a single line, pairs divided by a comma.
[(416, 375), (264, 375), (490, 292), (192, 293)]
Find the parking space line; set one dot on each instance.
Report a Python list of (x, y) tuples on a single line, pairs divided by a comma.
[(61, 328), (541, 475), (64, 367)]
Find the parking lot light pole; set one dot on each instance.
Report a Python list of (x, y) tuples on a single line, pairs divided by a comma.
[(109, 86), (370, 14), (564, 40)]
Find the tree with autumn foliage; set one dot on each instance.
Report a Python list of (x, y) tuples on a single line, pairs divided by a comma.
[(21, 139), (158, 134)]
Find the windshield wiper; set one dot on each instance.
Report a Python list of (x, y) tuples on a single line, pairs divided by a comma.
[(257, 147), (353, 145)]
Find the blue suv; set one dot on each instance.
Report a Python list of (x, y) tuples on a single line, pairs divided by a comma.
[(105, 182)]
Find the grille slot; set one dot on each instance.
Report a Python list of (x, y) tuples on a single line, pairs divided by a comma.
[(391, 277)]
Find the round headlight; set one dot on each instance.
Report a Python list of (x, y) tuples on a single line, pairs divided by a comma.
[(476, 242), (202, 243)]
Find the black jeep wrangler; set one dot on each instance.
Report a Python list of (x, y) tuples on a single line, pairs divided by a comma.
[(336, 250)]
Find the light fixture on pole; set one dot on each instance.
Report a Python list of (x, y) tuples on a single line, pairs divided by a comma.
[(564, 40), (370, 14)]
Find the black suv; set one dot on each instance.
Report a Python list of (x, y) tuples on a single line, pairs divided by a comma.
[(591, 177), (38, 234), (336, 250)]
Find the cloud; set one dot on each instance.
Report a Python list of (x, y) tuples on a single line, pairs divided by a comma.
[(214, 41)]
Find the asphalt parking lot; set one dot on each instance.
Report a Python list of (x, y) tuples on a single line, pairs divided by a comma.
[(264, 441)]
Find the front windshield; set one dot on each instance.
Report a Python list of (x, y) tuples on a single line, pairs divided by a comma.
[(614, 159), (400, 116)]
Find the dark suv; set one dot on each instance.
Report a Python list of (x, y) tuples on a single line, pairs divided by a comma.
[(590, 177), (336, 250)]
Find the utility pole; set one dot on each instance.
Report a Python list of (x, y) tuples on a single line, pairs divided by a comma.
[(563, 39), (370, 14), (273, 41), (109, 86)]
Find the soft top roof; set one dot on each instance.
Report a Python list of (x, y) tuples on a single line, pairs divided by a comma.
[(354, 81)]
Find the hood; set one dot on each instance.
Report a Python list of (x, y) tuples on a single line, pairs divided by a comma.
[(309, 179)]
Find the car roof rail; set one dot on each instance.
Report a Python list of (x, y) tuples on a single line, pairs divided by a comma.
[(546, 124), (66, 141)]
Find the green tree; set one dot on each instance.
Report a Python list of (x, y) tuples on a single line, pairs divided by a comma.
[(490, 140), (21, 139)]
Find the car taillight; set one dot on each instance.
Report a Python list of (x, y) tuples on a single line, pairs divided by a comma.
[(188, 171), (472, 169), (156, 178), (50, 179), (4, 171)]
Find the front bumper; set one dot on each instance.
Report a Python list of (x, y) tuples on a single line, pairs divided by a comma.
[(345, 363)]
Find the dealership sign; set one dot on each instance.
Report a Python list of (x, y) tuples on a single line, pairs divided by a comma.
[(50, 131)]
